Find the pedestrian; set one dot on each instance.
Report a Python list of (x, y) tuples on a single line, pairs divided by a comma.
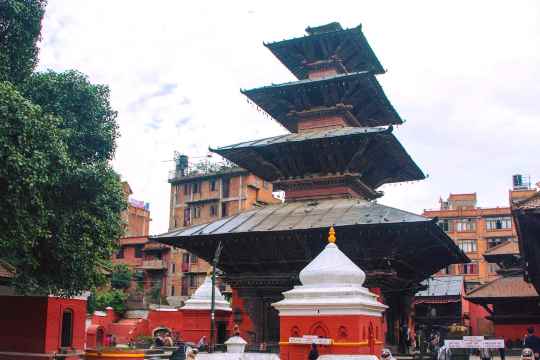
[(485, 353), (202, 345), (532, 342), (444, 353), (313, 353), (404, 339), (168, 340), (158, 341)]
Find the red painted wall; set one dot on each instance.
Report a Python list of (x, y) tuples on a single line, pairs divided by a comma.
[(246, 325), (196, 324), (172, 320), (350, 334), (33, 324)]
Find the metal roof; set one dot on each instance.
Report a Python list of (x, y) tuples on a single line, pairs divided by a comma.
[(308, 135), (302, 215), (294, 53), (361, 90), (374, 155), (442, 286)]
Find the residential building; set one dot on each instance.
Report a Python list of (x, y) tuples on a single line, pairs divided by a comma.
[(475, 230), (201, 196)]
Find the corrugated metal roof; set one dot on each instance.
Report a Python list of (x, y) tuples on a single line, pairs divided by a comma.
[(302, 215), (442, 286), (310, 135), (504, 287)]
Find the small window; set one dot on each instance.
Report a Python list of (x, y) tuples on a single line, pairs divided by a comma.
[(185, 258), (468, 246), (186, 189), (196, 212), (67, 328), (120, 253), (192, 281), (223, 209), (213, 210), (465, 225), (499, 223), (173, 268), (172, 290), (445, 224), (212, 185), (139, 251), (491, 242), (469, 269), (194, 258), (447, 270)]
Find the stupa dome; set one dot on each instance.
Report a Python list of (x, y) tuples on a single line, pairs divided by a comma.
[(331, 285), (202, 298), (331, 268)]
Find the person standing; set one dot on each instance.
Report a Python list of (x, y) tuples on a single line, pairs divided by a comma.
[(532, 342), (313, 353)]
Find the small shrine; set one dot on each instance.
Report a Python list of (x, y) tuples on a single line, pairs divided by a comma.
[(331, 308), (197, 314)]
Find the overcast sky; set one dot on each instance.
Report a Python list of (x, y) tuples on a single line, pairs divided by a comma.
[(465, 75)]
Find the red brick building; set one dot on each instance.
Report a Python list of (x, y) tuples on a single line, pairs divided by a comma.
[(475, 230), (198, 197)]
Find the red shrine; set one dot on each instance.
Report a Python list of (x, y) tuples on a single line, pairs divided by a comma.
[(331, 308)]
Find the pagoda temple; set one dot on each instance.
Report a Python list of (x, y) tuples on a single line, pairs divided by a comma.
[(339, 151)]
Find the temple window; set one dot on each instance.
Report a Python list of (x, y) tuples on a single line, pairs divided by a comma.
[(498, 223), (67, 328), (468, 246)]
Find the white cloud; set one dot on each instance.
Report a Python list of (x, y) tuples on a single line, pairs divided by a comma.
[(464, 74)]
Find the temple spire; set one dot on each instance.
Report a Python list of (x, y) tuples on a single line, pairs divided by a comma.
[(332, 235)]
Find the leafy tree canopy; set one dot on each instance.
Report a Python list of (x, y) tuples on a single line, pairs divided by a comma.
[(121, 276), (61, 200), (20, 26), (113, 298)]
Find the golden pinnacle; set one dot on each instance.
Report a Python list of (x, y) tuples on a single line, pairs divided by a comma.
[(332, 235)]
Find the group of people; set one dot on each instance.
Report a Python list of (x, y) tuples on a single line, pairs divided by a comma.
[(531, 344), (164, 339)]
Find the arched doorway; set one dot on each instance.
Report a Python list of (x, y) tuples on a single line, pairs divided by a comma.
[(67, 328)]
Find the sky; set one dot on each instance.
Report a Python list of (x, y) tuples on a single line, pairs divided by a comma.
[(465, 76)]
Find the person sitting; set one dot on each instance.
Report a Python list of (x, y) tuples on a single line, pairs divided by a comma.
[(159, 341)]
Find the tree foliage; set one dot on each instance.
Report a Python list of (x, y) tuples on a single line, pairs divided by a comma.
[(61, 200), (113, 298), (20, 26), (121, 276)]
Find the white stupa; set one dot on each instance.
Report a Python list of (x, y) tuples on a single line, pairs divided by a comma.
[(331, 285), (202, 298)]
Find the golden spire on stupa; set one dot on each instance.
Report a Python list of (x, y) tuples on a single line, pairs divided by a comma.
[(332, 235)]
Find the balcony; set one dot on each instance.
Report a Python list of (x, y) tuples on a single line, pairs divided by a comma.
[(153, 265)]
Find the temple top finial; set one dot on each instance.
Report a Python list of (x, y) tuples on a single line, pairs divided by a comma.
[(332, 235)]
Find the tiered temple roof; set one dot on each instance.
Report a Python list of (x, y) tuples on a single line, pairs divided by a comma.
[(328, 43), (358, 96), (369, 156)]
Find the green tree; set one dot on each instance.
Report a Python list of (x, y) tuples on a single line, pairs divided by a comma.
[(121, 276), (113, 298), (20, 27), (61, 200)]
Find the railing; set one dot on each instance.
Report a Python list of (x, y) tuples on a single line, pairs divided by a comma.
[(153, 265)]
